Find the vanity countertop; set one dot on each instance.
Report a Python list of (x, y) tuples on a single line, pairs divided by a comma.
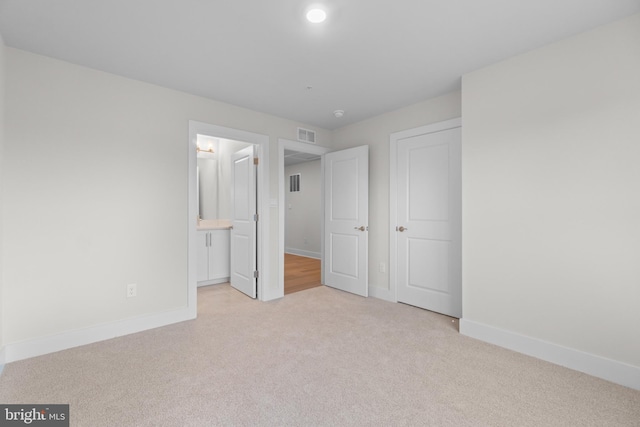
[(214, 224)]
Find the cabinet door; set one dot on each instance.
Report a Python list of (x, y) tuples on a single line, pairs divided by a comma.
[(203, 256), (219, 254)]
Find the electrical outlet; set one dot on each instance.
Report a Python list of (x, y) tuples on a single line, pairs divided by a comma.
[(132, 290), (382, 267)]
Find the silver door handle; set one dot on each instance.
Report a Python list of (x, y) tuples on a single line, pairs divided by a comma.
[(401, 229), (361, 228)]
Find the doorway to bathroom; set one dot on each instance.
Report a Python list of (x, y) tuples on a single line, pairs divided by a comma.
[(227, 213), (246, 258)]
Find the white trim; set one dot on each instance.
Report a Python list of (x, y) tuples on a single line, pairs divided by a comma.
[(192, 220), (52, 343), (393, 216), (431, 128), (597, 366), (302, 252), (262, 142), (393, 193), (3, 359), (303, 148)]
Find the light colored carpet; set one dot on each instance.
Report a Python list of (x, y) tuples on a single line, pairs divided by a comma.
[(314, 358)]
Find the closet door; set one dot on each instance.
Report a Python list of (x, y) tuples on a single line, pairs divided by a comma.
[(428, 220)]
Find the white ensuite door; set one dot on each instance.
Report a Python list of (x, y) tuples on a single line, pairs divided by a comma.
[(243, 221), (428, 222), (346, 186)]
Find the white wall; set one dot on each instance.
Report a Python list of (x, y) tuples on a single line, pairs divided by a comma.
[(303, 211), (551, 194), (96, 195), (375, 132), (2, 102)]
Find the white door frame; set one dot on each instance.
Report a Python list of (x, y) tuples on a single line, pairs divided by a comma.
[(262, 143), (301, 147), (393, 193)]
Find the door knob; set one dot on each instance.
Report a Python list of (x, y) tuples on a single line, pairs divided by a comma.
[(361, 228), (401, 229)]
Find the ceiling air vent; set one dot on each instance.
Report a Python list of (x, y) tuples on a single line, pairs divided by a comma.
[(306, 135)]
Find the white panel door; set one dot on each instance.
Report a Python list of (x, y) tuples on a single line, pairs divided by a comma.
[(346, 184), (243, 221), (429, 221)]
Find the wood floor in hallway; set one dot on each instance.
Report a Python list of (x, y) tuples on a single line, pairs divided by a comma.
[(300, 273)]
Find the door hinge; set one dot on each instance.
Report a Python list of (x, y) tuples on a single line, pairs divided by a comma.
[(256, 274), (255, 161), (256, 217)]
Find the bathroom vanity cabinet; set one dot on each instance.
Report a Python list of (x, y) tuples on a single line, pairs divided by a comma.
[(213, 256)]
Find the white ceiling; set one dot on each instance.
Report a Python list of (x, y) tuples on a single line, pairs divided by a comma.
[(369, 57)]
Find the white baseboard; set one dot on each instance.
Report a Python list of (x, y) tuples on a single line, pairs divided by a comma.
[(381, 293), (597, 366), (302, 252), (50, 344)]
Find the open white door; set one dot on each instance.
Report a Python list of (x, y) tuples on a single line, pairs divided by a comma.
[(346, 186), (243, 221)]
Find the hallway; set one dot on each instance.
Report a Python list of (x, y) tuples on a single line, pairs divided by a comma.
[(300, 273)]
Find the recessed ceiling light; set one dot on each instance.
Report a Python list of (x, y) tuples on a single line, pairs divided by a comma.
[(316, 16)]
